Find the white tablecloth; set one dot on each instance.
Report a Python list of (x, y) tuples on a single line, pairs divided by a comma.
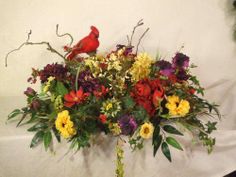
[(204, 27)]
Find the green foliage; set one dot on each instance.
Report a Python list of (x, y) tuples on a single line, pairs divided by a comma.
[(172, 130), (156, 140), (47, 138), (14, 113), (128, 102), (173, 142), (136, 143), (61, 89), (166, 151), (38, 137)]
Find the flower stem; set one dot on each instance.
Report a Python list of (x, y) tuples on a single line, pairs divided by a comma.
[(119, 158)]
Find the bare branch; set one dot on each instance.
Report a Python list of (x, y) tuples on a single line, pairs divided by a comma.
[(49, 47), (27, 40), (140, 23), (139, 41), (65, 34)]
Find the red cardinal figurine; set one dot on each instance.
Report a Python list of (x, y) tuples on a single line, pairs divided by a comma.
[(87, 45)]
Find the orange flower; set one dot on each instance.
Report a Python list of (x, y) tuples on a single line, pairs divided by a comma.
[(99, 93), (103, 118), (73, 97)]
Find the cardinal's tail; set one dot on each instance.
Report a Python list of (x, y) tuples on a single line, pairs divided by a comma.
[(71, 56)]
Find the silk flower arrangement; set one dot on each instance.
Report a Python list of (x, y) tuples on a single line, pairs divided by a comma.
[(125, 93)]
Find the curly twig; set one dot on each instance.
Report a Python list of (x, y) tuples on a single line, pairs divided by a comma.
[(49, 47), (65, 34), (27, 40), (139, 41), (140, 23)]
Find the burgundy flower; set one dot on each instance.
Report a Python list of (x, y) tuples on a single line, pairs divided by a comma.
[(30, 92), (128, 124), (88, 82), (182, 75), (58, 71), (180, 61), (165, 67), (35, 105)]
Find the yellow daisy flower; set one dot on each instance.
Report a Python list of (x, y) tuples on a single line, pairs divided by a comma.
[(64, 125), (177, 106), (146, 130)]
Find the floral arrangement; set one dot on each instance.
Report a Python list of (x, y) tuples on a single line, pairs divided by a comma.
[(128, 94)]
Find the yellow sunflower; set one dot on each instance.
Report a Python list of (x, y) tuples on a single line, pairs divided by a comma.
[(64, 125), (146, 130)]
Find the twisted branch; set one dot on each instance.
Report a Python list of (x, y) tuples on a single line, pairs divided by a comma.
[(139, 41), (65, 34), (49, 47), (140, 23)]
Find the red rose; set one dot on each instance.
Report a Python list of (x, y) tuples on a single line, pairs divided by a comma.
[(157, 96), (142, 89)]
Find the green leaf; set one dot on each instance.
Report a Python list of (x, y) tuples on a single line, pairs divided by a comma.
[(156, 144), (38, 137), (14, 114), (61, 89), (172, 130), (47, 139), (57, 134), (37, 127), (128, 102), (166, 151), (171, 141)]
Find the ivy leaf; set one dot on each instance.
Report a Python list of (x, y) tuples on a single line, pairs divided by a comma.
[(47, 139), (172, 130), (61, 89), (14, 114), (166, 151), (171, 141), (38, 137)]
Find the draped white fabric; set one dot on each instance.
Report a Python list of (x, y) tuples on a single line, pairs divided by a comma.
[(205, 29)]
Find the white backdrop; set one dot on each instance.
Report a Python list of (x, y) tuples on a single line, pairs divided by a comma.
[(203, 26)]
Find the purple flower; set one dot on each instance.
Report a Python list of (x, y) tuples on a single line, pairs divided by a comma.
[(30, 92), (180, 61), (182, 75), (128, 124), (87, 81), (165, 67), (56, 70)]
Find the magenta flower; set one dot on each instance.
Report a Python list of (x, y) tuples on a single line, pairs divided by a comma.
[(127, 124), (180, 61)]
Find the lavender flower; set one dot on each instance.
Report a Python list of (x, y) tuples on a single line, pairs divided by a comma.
[(165, 67), (127, 124), (180, 61)]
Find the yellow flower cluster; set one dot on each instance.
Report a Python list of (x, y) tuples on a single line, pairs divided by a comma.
[(115, 128), (58, 103), (146, 130), (48, 84), (64, 125), (177, 106), (141, 67), (114, 63)]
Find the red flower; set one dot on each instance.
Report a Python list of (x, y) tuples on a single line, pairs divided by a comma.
[(103, 91), (157, 96), (147, 105), (103, 118), (192, 91), (73, 97), (142, 89)]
